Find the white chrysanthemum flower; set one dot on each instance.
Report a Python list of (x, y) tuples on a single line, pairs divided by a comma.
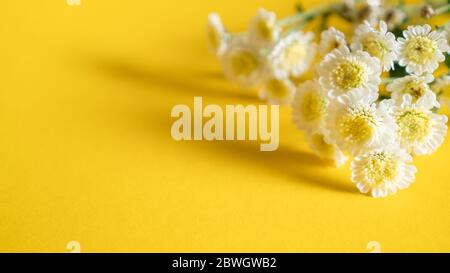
[(331, 39), (419, 130), (263, 30), (293, 54), (441, 87), (342, 71), (242, 62), (416, 86), (378, 43), (217, 36), (324, 148), (421, 49), (374, 3), (309, 107), (277, 90), (382, 171), (357, 123)]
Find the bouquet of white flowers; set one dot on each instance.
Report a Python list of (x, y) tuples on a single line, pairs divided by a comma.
[(374, 98)]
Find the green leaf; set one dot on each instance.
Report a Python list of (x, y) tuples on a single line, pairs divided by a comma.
[(383, 97), (398, 72), (398, 32), (447, 59), (324, 21)]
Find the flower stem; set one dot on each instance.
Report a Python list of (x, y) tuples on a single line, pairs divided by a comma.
[(442, 9), (305, 16), (298, 26), (388, 80)]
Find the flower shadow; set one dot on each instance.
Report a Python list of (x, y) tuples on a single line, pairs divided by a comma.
[(296, 165), (303, 167), (292, 163), (189, 82)]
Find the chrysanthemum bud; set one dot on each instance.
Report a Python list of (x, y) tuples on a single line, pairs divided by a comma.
[(427, 12), (394, 18)]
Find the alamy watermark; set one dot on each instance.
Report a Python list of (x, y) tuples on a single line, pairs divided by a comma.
[(233, 122)]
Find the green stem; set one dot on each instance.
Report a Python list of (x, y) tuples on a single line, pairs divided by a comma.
[(442, 9), (305, 16), (298, 26), (388, 80)]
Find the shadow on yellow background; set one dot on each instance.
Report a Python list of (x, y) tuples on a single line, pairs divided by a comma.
[(284, 161)]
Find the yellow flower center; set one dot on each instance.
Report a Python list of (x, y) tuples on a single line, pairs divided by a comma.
[(413, 125), (294, 54), (374, 46), (356, 125), (381, 167), (420, 50), (348, 75), (277, 89), (244, 63), (313, 106), (416, 89)]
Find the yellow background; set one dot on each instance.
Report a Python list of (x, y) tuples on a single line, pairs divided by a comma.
[(86, 152)]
